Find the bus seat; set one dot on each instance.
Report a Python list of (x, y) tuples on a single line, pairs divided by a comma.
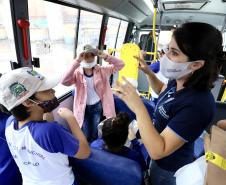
[(143, 85), (103, 168), (149, 47), (199, 148), (130, 70), (217, 87), (219, 114), (143, 41)]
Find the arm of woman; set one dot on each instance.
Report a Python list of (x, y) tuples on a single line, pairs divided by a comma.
[(115, 64), (68, 77), (157, 145)]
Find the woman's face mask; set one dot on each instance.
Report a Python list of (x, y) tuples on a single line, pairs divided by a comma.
[(89, 61), (174, 70), (89, 65)]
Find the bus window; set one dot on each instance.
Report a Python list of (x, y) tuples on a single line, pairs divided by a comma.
[(7, 45), (122, 34), (54, 48), (111, 34), (89, 29), (164, 38)]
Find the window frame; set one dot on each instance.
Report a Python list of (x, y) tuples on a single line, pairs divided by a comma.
[(20, 9)]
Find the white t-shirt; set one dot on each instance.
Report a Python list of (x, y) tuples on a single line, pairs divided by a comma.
[(92, 96), (41, 150)]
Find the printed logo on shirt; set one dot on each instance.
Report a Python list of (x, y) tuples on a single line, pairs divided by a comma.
[(25, 149), (18, 90), (169, 100), (163, 113)]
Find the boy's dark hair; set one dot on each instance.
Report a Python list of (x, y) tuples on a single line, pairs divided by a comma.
[(201, 41), (115, 132), (21, 112), (4, 110)]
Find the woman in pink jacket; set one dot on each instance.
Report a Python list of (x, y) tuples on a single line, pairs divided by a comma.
[(94, 96)]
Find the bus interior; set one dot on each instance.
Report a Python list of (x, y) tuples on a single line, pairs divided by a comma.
[(47, 34)]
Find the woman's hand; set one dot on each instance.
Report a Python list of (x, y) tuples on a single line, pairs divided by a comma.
[(81, 57), (128, 94), (102, 55), (143, 65)]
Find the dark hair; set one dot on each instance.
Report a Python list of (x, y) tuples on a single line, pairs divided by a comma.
[(4, 110), (115, 131), (21, 112), (201, 41)]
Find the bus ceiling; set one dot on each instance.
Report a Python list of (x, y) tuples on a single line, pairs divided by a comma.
[(130, 10), (176, 12), (170, 12)]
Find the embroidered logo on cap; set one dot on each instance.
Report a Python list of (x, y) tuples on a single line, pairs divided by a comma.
[(18, 90), (35, 74)]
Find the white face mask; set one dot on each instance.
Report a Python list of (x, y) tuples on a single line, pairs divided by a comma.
[(88, 65), (173, 70)]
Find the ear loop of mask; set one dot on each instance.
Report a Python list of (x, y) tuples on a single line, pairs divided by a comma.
[(34, 101)]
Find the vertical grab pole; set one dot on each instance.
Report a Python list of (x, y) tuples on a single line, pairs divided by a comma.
[(153, 33)]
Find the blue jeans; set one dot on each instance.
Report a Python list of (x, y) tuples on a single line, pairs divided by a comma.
[(160, 176), (93, 114)]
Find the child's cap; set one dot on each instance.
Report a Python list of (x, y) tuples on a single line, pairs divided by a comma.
[(90, 49), (20, 84)]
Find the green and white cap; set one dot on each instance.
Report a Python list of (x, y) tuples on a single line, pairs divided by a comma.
[(19, 85)]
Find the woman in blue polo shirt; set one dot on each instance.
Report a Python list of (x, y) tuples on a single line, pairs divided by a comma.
[(185, 106)]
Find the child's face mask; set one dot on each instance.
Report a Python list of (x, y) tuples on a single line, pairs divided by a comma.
[(48, 105), (174, 70)]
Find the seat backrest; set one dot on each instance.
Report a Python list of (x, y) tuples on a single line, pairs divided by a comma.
[(143, 85), (130, 70), (217, 87), (143, 41), (219, 115), (104, 168)]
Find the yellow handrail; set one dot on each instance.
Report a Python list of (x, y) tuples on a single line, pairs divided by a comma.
[(150, 53), (153, 33)]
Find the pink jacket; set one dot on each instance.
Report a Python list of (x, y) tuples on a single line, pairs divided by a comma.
[(101, 75)]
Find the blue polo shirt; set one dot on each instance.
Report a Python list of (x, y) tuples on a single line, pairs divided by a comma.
[(9, 172), (187, 113)]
